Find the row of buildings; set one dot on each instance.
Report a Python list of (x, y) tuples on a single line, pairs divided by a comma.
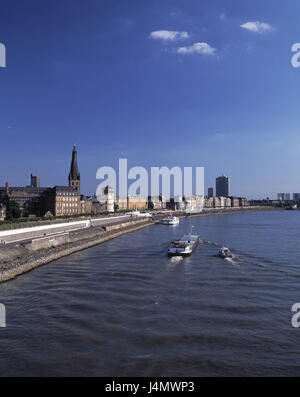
[(52, 201), (288, 197), (35, 200), (225, 202)]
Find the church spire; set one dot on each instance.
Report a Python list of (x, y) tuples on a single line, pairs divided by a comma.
[(74, 175)]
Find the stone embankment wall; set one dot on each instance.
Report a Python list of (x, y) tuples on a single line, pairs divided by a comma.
[(18, 259), (47, 242)]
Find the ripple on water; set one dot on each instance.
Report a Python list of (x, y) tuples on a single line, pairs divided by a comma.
[(124, 308)]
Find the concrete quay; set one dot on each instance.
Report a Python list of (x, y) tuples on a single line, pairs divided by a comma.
[(21, 235), (18, 259)]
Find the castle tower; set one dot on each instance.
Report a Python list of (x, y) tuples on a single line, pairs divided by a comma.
[(74, 175), (34, 181)]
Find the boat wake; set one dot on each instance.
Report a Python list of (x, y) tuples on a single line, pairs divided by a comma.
[(176, 259), (234, 261), (243, 258), (207, 242)]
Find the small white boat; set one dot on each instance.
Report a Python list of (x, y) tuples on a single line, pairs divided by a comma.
[(171, 220), (185, 246), (225, 253), (139, 214)]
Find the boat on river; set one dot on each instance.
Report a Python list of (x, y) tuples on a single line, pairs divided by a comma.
[(185, 246), (170, 220), (225, 253), (137, 214)]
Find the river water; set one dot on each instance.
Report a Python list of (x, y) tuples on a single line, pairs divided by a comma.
[(123, 308)]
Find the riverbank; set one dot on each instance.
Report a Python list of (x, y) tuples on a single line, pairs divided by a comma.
[(223, 211), (19, 259), (16, 267)]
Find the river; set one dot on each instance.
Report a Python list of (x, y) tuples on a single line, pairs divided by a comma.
[(123, 308)]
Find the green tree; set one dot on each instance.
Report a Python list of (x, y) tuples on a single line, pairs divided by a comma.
[(38, 206), (12, 209)]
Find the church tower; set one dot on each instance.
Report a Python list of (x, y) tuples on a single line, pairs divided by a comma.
[(74, 175)]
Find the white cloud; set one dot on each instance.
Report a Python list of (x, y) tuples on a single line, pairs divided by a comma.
[(168, 35), (222, 136), (198, 48), (223, 16), (257, 27)]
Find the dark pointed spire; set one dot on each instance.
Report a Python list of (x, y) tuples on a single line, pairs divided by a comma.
[(74, 172)]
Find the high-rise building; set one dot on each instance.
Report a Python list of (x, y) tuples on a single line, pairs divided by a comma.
[(283, 196), (210, 192), (74, 175), (296, 196), (222, 186)]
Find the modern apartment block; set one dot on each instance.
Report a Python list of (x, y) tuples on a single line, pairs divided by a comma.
[(296, 196), (222, 186), (283, 196)]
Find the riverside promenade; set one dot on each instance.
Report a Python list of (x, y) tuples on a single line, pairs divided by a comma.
[(26, 254)]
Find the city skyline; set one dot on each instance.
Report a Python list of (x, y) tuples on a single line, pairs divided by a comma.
[(35, 182), (162, 85), (169, 189)]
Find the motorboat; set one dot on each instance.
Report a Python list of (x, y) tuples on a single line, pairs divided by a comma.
[(170, 220), (225, 253), (185, 246)]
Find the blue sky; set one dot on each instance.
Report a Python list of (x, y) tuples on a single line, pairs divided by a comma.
[(126, 78)]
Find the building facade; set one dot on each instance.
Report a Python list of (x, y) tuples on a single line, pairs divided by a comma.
[(156, 202), (296, 196), (235, 202), (2, 211), (26, 197), (209, 202), (137, 203), (283, 196), (63, 200), (121, 203), (109, 194), (85, 205), (107, 199), (194, 203), (96, 206), (222, 186), (59, 200)]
